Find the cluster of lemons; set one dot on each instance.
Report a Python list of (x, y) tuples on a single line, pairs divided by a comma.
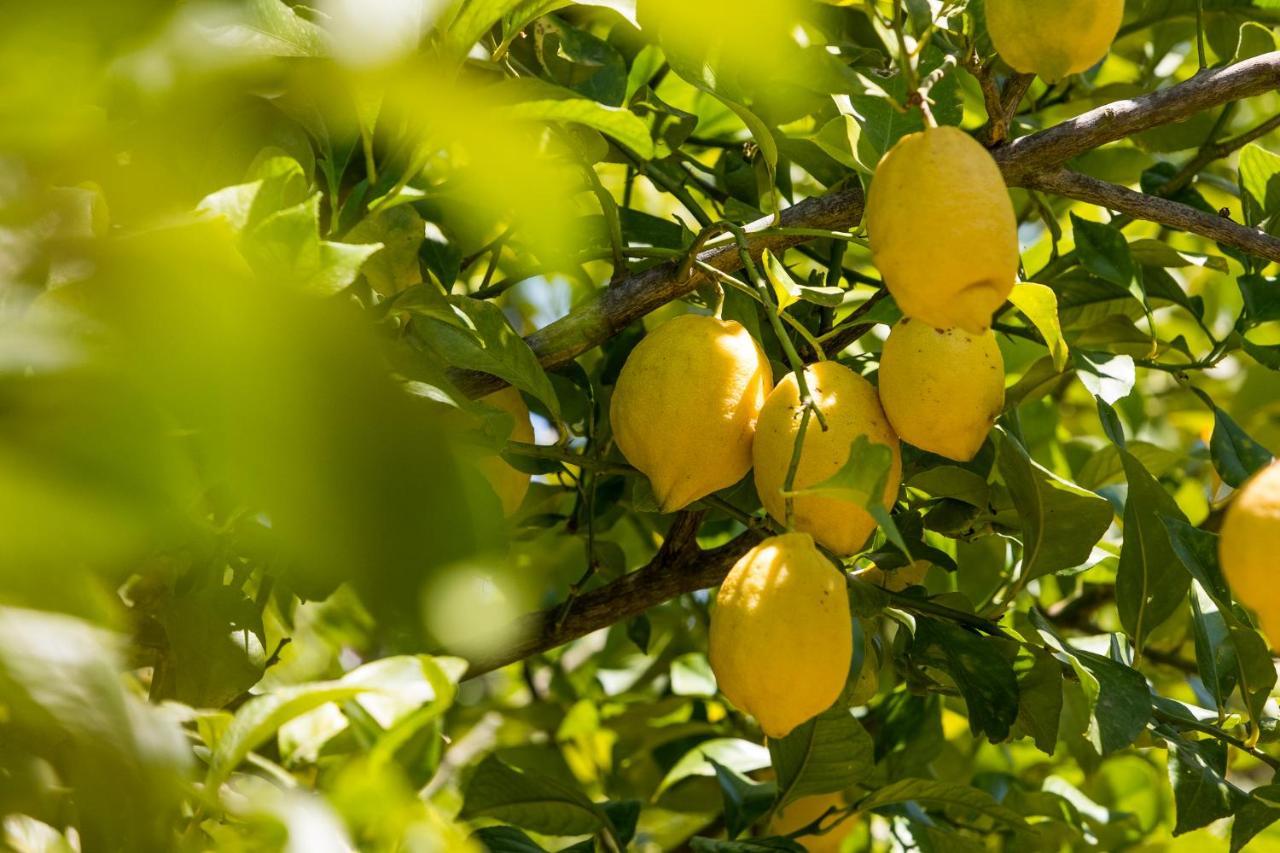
[(695, 407)]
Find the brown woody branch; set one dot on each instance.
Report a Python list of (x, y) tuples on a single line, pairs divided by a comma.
[(679, 567), (1153, 208), (1034, 161), (1025, 157), (1023, 162)]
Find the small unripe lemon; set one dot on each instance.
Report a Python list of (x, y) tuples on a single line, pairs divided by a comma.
[(942, 389), (942, 229), (1053, 38), (781, 637), (510, 484), (1248, 547), (804, 811), (685, 406), (852, 408)]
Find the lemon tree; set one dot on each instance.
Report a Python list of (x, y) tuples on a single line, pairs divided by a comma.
[(574, 425)]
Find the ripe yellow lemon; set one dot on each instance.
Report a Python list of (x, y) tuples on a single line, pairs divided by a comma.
[(852, 409), (781, 637), (1053, 38), (942, 389), (510, 484), (1249, 545), (685, 406), (896, 580), (942, 229), (804, 811)]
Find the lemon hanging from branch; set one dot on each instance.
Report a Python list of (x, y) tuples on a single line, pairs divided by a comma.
[(942, 229), (685, 406)]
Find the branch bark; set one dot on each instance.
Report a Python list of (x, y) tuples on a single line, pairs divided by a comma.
[(626, 301), (1156, 209), (678, 568), (1024, 162), (1029, 155)]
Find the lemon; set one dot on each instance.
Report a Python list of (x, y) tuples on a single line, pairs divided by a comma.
[(685, 405), (942, 389), (896, 580), (510, 484), (1053, 38), (852, 409), (781, 637), (804, 811), (942, 229), (1248, 547)]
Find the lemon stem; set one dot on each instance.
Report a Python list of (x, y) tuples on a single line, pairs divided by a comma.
[(793, 466)]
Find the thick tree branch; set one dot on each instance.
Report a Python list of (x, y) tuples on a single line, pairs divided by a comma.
[(1024, 162), (1156, 209), (626, 301), (679, 567), (1025, 157)]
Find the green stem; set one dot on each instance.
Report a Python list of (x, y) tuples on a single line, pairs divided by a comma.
[(797, 448), (775, 319)]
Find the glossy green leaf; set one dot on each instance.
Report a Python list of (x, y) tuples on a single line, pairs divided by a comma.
[(826, 754), (534, 802), (1061, 522), (861, 480), (1150, 582), (981, 667)]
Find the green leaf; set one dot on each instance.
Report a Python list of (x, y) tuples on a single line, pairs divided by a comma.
[(1260, 176), (826, 754), (982, 667), (1040, 305), (861, 480), (1201, 792), (1108, 377), (1157, 253), (474, 19), (506, 839), (1118, 697), (1236, 456), (745, 801), (1197, 552), (1215, 649), (286, 246), (1150, 582), (214, 648), (945, 794), (839, 139), (1039, 697), (1103, 251), (739, 755), (474, 335), (691, 675), (419, 689), (1260, 810), (260, 718), (286, 34), (1061, 522), (785, 290), (535, 100), (751, 845), (883, 124), (538, 803)]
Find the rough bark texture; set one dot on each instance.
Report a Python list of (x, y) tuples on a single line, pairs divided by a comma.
[(1157, 209)]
